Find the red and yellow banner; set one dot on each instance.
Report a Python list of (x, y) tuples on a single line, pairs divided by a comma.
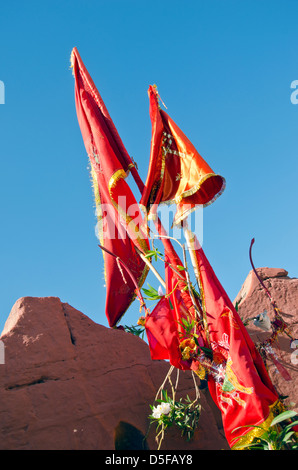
[(238, 380), (117, 210), (177, 173)]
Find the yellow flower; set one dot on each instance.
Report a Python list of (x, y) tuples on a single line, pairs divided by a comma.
[(201, 372), (188, 342), (141, 321), (187, 348), (186, 353)]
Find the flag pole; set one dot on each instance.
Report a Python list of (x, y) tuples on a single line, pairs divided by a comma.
[(190, 242), (159, 227), (138, 291), (189, 236), (151, 267)]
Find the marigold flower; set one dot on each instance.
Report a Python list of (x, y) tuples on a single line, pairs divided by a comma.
[(186, 352), (188, 342), (201, 372), (187, 348), (218, 358), (141, 321)]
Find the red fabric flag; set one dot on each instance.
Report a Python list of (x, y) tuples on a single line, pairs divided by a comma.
[(162, 333), (166, 332), (238, 380), (177, 172), (117, 209)]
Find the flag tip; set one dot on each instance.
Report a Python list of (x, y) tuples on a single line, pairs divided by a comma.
[(72, 58), (155, 91)]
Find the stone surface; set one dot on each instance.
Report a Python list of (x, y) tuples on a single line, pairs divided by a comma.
[(253, 300), (69, 383)]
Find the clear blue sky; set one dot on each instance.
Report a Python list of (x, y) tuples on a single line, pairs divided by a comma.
[(224, 70)]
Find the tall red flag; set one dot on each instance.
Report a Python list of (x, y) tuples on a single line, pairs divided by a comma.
[(177, 172), (238, 380), (117, 209)]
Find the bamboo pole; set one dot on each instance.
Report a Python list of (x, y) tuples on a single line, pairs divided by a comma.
[(151, 267)]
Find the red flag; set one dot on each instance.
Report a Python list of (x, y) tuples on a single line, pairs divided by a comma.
[(162, 334), (177, 172), (166, 328), (238, 380), (117, 208)]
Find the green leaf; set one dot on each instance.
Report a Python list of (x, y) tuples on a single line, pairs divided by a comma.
[(283, 416), (153, 253), (151, 293), (181, 268), (247, 426), (137, 330), (294, 423), (207, 351), (288, 435)]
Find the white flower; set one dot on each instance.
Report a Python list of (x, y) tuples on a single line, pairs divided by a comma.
[(162, 409), (165, 408), (160, 292), (156, 412)]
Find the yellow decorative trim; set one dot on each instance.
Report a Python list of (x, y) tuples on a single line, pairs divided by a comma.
[(115, 178), (130, 166), (98, 214), (256, 432), (118, 175), (97, 200), (121, 174), (234, 380), (177, 221), (200, 284), (141, 241), (156, 186), (113, 181), (195, 188)]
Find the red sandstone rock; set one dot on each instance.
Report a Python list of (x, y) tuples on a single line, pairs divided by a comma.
[(68, 382), (253, 300)]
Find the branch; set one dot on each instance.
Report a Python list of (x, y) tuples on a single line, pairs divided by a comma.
[(119, 260)]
